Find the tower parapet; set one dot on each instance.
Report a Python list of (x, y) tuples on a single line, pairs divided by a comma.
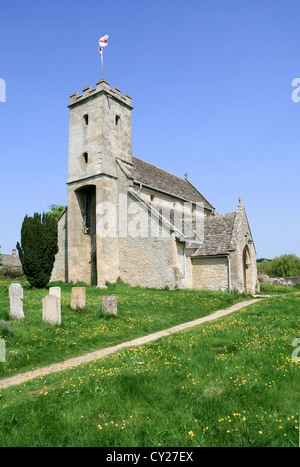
[(99, 131), (102, 87)]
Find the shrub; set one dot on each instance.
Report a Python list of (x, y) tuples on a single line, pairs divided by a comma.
[(11, 272), (38, 248)]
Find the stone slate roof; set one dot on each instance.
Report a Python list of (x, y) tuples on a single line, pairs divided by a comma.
[(293, 279), (217, 235), (154, 177), (11, 260)]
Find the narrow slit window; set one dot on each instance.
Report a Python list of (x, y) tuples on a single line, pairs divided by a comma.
[(85, 157), (86, 119), (118, 118)]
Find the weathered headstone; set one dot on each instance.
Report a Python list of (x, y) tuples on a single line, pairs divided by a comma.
[(5, 325), (16, 301), (56, 291), (2, 351), (78, 297), (109, 304), (51, 309)]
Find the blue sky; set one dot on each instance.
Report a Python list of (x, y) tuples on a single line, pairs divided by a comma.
[(211, 86)]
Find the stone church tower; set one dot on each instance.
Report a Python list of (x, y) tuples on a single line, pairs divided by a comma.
[(127, 218), (99, 134)]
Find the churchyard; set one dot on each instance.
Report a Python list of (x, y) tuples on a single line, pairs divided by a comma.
[(54, 331), (233, 381)]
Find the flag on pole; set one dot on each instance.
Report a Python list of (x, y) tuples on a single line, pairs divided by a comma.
[(102, 43)]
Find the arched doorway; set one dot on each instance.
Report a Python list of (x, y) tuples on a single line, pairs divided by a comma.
[(246, 268), (86, 196)]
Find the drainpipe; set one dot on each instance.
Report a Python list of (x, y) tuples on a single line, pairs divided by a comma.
[(228, 273), (184, 265)]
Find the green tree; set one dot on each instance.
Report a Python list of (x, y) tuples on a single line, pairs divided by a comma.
[(56, 210), (38, 248), (282, 266)]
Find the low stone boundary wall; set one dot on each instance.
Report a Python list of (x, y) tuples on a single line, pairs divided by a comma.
[(287, 281)]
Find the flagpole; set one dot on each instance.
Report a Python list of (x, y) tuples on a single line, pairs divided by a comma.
[(102, 64)]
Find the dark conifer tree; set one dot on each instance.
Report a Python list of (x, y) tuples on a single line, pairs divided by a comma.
[(38, 248)]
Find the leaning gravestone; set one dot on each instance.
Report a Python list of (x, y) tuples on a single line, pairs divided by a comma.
[(78, 297), (16, 301), (51, 309), (109, 304)]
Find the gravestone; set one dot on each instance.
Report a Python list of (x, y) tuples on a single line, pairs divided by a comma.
[(51, 309), (78, 297), (56, 291), (16, 301), (2, 351), (109, 304), (5, 325)]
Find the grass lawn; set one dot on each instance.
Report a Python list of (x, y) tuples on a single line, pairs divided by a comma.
[(228, 382), (271, 289), (34, 343)]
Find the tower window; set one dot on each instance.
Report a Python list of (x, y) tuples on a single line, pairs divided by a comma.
[(86, 119), (118, 118), (85, 157)]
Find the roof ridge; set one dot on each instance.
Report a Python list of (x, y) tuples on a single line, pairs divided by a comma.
[(219, 215)]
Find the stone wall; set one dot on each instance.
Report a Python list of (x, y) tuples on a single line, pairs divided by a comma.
[(146, 259), (286, 281), (210, 273), (60, 271), (147, 262), (12, 260), (107, 240), (243, 255)]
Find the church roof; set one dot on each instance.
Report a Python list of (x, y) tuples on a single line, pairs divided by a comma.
[(159, 179), (217, 235)]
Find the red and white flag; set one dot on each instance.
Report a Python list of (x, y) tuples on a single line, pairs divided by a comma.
[(102, 43)]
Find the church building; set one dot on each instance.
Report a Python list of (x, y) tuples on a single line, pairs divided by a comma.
[(129, 219)]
